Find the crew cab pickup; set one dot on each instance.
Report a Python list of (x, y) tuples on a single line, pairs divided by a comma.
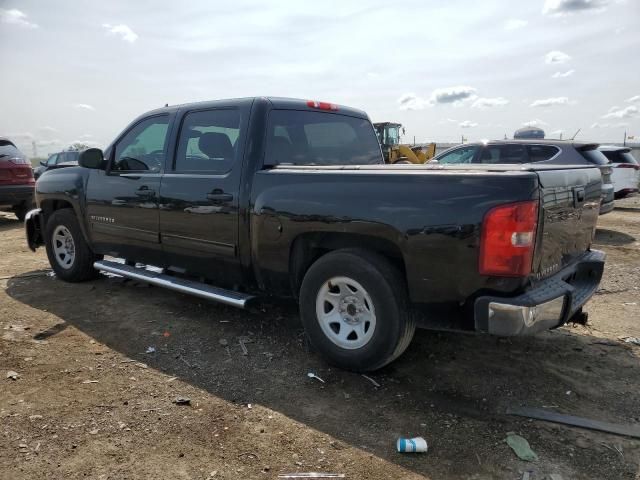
[(238, 200)]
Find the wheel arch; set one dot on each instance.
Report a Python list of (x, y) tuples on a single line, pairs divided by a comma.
[(50, 205), (308, 248)]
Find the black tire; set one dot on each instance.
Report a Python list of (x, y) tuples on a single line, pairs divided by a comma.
[(81, 268), (394, 326)]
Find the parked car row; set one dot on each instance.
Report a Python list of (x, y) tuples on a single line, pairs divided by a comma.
[(619, 170), (16, 179), (626, 171)]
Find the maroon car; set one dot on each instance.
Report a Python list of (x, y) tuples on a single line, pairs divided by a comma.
[(16, 180)]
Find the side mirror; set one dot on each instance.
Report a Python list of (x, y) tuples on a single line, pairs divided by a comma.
[(91, 158), (43, 163)]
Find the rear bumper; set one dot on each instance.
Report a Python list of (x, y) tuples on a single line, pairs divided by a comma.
[(11, 195), (549, 304)]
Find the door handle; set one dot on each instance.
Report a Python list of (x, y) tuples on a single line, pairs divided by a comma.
[(219, 196), (145, 191)]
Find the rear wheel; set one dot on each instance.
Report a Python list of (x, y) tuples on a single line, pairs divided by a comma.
[(69, 254), (354, 308)]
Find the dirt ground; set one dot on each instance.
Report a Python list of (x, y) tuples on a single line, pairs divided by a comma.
[(90, 403)]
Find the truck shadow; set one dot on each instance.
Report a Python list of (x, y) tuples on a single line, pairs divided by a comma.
[(452, 389), (604, 236)]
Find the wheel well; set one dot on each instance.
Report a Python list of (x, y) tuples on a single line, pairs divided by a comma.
[(308, 248), (50, 206)]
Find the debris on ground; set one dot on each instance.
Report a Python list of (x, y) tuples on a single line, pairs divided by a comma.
[(375, 384), (633, 340), (90, 381), (13, 375), (521, 447), (412, 445), (311, 475), (313, 375), (241, 341), (150, 349), (554, 417), (182, 401)]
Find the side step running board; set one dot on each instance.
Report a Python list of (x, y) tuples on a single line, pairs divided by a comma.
[(189, 287)]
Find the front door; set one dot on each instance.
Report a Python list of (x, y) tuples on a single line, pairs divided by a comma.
[(122, 202), (199, 194)]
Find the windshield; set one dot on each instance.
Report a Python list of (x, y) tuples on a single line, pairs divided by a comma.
[(392, 136)]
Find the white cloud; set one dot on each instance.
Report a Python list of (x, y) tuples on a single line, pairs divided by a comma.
[(410, 101), (566, 74), (635, 98), (567, 7), (124, 31), (452, 95), (536, 122), (489, 102), (19, 136), (549, 102), (467, 124), (515, 24), (627, 112), (609, 125), (556, 56), (84, 106), (16, 17)]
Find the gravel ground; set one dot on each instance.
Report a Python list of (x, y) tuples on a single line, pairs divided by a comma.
[(90, 402)]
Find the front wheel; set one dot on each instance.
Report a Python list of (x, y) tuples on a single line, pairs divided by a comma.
[(69, 254), (354, 308)]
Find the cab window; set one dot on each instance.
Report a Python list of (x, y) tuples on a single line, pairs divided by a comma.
[(142, 149), (208, 141), (315, 138)]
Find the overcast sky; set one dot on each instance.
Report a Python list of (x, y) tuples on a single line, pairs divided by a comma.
[(82, 70)]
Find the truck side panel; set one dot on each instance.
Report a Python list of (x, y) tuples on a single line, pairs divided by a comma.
[(434, 220)]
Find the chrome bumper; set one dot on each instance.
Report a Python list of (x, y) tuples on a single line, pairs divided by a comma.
[(548, 304)]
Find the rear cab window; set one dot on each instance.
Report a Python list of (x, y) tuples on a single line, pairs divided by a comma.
[(297, 137)]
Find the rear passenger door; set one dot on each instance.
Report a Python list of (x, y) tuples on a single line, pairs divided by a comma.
[(199, 193)]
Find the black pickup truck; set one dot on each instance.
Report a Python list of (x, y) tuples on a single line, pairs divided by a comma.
[(235, 200)]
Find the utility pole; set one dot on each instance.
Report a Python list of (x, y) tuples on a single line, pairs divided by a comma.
[(624, 141)]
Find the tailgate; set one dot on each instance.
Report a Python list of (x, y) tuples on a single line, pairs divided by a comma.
[(570, 203)]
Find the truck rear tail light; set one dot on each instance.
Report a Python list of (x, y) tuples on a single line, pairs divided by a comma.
[(322, 105), (508, 239)]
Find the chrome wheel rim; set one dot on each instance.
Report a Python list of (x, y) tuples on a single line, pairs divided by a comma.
[(345, 313), (64, 248)]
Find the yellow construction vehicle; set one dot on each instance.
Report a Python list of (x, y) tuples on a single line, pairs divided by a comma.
[(395, 152)]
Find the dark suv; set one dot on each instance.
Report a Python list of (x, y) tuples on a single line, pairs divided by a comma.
[(554, 152), (57, 160), (16, 180)]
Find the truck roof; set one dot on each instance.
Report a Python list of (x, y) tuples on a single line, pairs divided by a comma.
[(276, 103)]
